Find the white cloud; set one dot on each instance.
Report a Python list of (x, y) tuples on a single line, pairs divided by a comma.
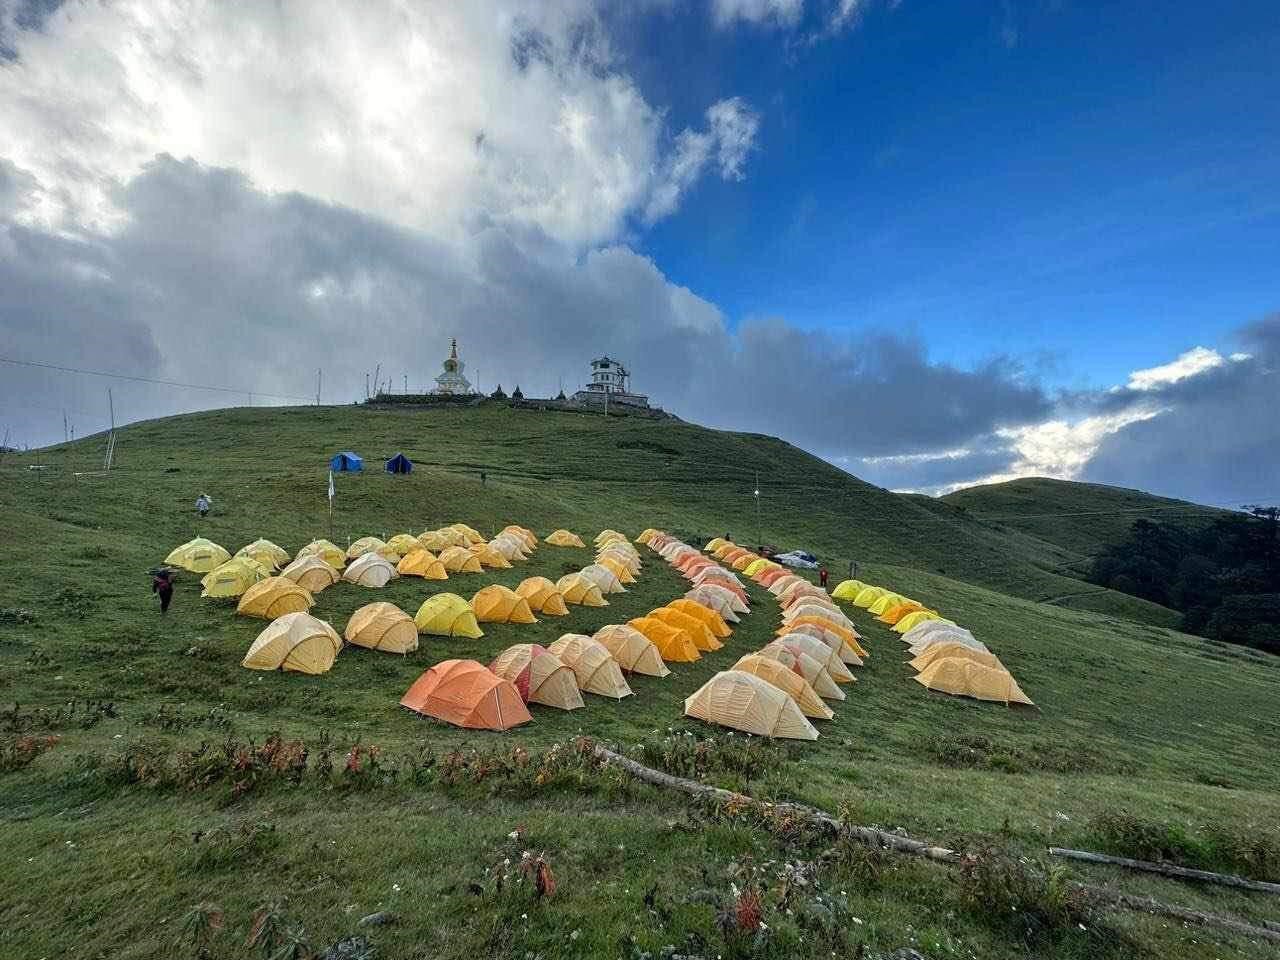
[(1195, 361), (442, 117), (734, 126), (782, 12), (731, 134)]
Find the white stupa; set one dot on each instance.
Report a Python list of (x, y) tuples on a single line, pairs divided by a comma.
[(451, 382)]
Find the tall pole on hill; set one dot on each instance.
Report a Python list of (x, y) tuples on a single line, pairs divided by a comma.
[(756, 492), (319, 379)]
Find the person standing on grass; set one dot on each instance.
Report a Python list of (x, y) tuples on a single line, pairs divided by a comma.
[(822, 577), (202, 505), (162, 584)]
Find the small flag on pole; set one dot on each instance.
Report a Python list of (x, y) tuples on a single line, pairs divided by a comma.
[(330, 487)]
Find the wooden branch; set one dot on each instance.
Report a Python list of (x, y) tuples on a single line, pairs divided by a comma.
[(1168, 870), (911, 847)]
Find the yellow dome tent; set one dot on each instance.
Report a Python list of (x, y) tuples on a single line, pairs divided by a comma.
[(421, 563), (848, 589), (964, 678), (266, 553), (437, 540), (274, 597), (542, 596), (403, 543), (814, 673), (608, 534), (498, 604), (233, 578), (311, 573), (331, 554), (744, 561), (604, 578), (884, 602), (710, 619), (824, 654), (459, 560), (900, 610), (447, 615), (631, 649), (868, 595), (365, 545), (563, 538), (576, 588), (382, 626), (370, 570), (674, 645), (715, 543), (471, 534), (294, 641), (941, 651), (743, 701), (789, 682), (624, 558), (915, 619), (539, 676), (646, 535), (698, 631), (617, 567), (198, 555), (755, 566), (596, 670)]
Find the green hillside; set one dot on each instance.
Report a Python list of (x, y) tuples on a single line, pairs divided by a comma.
[(127, 823)]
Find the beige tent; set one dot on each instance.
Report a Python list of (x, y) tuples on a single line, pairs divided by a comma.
[(489, 556), (563, 538), (608, 533), (595, 668), (471, 534), (539, 675), (617, 566), (365, 545), (831, 639), (782, 583), (421, 563), (382, 626), (266, 553), (447, 615), (437, 540), (922, 630), (274, 597), (632, 650), (647, 534), (498, 604), (576, 588), (311, 573), (370, 570), (509, 546), (333, 555), (543, 596), (722, 601), (789, 682), (940, 651), (807, 608), (529, 538), (294, 641), (198, 556), (812, 670), (965, 678), (604, 578), (743, 701), (941, 636), (818, 650), (460, 560)]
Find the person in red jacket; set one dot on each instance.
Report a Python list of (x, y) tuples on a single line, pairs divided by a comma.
[(822, 577), (162, 584)]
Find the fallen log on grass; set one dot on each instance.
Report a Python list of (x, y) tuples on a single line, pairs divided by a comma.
[(911, 847), (1168, 870)]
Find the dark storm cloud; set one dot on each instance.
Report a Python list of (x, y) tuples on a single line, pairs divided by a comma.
[(212, 281), (1218, 439)]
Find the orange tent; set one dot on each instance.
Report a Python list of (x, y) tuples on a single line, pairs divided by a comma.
[(702, 637), (710, 619), (464, 693), (674, 644), (498, 604), (898, 611), (422, 563)]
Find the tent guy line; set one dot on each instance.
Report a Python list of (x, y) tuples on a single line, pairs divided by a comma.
[(165, 383)]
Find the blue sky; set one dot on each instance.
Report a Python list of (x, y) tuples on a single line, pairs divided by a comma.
[(943, 243)]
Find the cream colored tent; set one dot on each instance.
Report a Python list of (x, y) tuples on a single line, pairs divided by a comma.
[(722, 601), (646, 535), (812, 670), (779, 586), (471, 534), (489, 556), (233, 578), (529, 538), (539, 675), (370, 570), (498, 604), (365, 545), (437, 540), (459, 560), (615, 565), (789, 682), (592, 664), (633, 651), (818, 650), (447, 615), (198, 555), (832, 640), (604, 578), (629, 561), (811, 608), (939, 637), (421, 563), (266, 553), (333, 555), (962, 677), (850, 637), (543, 597), (718, 573), (294, 641), (576, 588), (311, 573), (563, 538), (382, 626), (509, 546), (274, 597), (743, 701), (922, 630), (609, 534), (940, 651)]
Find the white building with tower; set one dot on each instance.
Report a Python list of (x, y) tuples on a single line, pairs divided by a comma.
[(451, 382), (610, 384)]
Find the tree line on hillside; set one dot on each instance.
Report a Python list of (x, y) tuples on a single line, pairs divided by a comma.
[(1224, 578)]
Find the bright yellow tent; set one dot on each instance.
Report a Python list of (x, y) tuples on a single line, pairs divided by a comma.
[(498, 604), (294, 641), (789, 682), (743, 701), (542, 596), (674, 645), (421, 563), (563, 538), (710, 619), (447, 615), (898, 611), (403, 543), (914, 619), (459, 560), (274, 597), (311, 573), (266, 553), (631, 649), (755, 566), (592, 664), (698, 631), (962, 677), (198, 555), (233, 578), (576, 588), (715, 543), (848, 589), (883, 603), (382, 626), (868, 595), (330, 553)]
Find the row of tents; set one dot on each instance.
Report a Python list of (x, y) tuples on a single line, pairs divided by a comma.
[(946, 657), (349, 462)]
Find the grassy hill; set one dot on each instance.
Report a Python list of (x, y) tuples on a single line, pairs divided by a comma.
[(128, 823)]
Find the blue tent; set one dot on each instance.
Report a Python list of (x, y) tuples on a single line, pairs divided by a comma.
[(346, 461), (399, 464)]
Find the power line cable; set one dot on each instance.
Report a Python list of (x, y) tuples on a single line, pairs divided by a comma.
[(165, 383)]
